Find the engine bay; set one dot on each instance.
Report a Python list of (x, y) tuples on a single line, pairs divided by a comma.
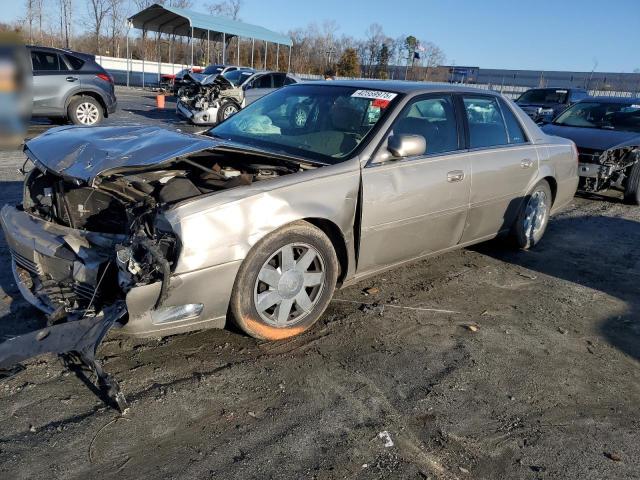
[(122, 214)]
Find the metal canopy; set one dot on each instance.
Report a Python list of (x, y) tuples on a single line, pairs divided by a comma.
[(179, 21)]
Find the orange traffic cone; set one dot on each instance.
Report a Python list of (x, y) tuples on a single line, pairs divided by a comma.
[(160, 100)]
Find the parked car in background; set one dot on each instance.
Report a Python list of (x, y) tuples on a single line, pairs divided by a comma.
[(543, 104), (71, 86), (220, 69), (261, 218), (208, 99), (261, 83), (173, 82), (607, 134)]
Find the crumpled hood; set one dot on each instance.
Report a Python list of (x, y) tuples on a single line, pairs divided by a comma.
[(84, 153), (593, 138)]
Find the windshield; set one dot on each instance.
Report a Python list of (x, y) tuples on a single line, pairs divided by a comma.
[(238, 77), (544, 95), (211, 69), (322, 123), (610, 116)]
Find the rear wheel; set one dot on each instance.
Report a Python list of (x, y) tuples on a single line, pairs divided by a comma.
[(534, 215), (632, 189), (85, 111), (285, 283)]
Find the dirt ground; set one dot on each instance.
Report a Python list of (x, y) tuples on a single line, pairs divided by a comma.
[(535, 374)]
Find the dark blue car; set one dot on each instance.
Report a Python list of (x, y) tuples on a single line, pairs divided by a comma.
[(607, 133)]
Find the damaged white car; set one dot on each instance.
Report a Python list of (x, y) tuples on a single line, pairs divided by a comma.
[(208, 99)]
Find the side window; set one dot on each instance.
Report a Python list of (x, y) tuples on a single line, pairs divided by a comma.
[(278, 80), (263, 82), (514, 129), (486, 126), (45, 61), (75, 62), (433, 118), (289, 80)]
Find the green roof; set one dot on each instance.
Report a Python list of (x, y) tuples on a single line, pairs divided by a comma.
[(180, 21)]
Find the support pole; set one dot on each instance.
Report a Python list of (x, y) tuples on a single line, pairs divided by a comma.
[(208, 47), (238, 56), (277, 56), (224, 48), (253, 44), (289, 63), (144, 51), (128, 67), (158, 49), (266, 47), (192, 47)]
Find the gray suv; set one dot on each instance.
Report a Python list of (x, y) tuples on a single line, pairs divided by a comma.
[(70, 85)]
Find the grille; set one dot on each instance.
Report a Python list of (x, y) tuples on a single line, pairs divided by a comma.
[(26, 263), (85, 291)]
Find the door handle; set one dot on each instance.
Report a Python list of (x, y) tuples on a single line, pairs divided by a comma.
[(526, 163), (455, 176), (71, 79)]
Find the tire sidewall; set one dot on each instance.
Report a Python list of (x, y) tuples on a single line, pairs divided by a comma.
[(242, 306), (632, 189), (73, 106), (523, 241)]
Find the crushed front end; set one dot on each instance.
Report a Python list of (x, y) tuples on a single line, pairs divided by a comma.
[(603, 169), (207, 100)]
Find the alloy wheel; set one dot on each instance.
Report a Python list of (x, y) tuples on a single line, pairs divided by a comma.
[(87, 113), (536, 214), (289, 285)]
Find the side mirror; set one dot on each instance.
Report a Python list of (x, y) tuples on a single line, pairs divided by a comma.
[(404, 145)]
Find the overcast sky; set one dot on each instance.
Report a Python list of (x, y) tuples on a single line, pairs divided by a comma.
[(538, 35)]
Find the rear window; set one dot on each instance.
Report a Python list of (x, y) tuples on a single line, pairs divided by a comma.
[(75, 62)]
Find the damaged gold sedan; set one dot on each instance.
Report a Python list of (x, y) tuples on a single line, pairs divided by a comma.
[(258, 220)]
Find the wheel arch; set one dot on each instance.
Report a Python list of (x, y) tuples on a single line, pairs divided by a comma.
[(87, 93), (338, 241)]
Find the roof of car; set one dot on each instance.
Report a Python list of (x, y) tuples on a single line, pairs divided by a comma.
[(604, 99), (400, 86)]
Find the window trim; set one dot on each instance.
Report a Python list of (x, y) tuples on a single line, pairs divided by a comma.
[(374, 162), (461, 97), (502, 103)]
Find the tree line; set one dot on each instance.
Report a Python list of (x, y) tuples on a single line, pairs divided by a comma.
[(100, 27)]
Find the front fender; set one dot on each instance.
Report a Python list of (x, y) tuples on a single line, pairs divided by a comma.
[(222, 227)]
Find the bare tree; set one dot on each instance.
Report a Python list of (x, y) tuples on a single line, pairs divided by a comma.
[(30, 15), (66, 19), (226, 8), (115, 25), (98, 11)]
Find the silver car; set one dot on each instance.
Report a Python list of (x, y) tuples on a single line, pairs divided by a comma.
[(313, 187)]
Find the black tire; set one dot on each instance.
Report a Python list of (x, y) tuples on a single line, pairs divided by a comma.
[(247, 288), (632, 188), (527, 231), (84, 110), (227, 109)]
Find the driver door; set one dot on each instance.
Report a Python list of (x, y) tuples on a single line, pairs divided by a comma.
[(416, 206)]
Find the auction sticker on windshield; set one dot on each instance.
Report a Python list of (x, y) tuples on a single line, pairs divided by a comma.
[(374, 95)]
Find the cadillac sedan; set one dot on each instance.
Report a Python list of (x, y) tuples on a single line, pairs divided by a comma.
[(313, 187)]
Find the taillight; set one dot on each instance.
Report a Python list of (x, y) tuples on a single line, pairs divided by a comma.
[(106, 77)]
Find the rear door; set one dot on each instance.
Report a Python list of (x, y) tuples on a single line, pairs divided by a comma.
[(52, 79), (416, 206), (503, 162)]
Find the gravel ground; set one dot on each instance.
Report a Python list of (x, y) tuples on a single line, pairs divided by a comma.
[(535, 376)]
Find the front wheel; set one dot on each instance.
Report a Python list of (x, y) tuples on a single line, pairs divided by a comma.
[(227, 109), (534, 215), (285, 283)]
